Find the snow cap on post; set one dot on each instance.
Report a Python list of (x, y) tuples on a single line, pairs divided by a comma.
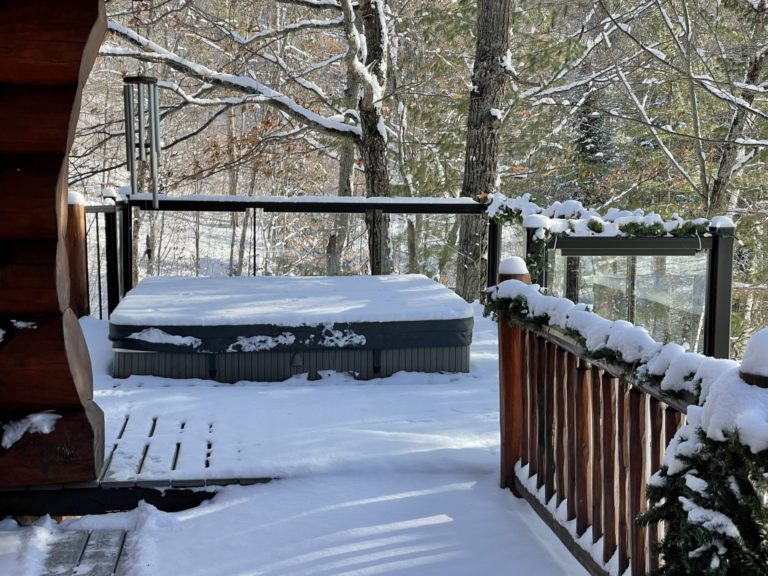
[(514, 268), (754, 366)]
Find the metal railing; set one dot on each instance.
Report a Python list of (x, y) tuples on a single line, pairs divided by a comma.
[(119, 221)]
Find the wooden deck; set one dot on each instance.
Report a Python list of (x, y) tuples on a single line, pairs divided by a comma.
[(165, 462)]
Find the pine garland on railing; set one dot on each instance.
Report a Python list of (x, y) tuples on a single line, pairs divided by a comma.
[(571, 218), (712, 503)]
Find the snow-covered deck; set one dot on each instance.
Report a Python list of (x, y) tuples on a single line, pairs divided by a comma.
[(391, 476)]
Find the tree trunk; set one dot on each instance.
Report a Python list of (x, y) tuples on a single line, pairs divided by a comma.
[(338, 236), (197, 243), (448, 250), (718, 200), (244, 228), (413, 226), (232, 182), (481, 159), (373, 146)]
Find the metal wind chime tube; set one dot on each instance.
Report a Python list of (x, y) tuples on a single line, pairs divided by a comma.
[(142, 123)]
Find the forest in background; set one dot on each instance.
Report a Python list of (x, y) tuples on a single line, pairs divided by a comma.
[(652, 104)]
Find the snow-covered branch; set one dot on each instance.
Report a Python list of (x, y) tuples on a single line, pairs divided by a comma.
[(321, 4), (152, 52)]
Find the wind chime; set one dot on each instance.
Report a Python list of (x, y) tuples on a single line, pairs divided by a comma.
[(142, 131)]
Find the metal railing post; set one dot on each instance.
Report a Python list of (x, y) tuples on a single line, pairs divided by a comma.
[(717, 311), (113, 270), (494, 251)]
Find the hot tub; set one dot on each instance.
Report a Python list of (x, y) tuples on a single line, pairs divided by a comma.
[(269, 328)]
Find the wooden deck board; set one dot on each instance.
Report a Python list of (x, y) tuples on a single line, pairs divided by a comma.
[(84, 553), (102, 553), (64, 552)]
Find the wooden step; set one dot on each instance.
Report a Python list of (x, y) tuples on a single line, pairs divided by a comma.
[(38, 369), (43, 41), (28, 189)]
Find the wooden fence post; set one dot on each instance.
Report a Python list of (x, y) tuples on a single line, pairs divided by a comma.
[(510, 381)]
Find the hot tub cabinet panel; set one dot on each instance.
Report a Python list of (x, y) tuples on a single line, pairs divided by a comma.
[(276, 366)]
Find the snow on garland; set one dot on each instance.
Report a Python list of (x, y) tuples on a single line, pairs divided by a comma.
[(712, 489), (571, 218)]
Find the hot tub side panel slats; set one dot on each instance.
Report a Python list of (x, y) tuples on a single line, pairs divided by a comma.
[(276, 366)]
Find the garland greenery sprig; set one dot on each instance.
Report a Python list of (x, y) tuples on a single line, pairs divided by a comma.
[(713, 508)]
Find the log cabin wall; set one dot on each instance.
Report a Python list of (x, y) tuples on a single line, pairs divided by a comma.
[(47, 49)]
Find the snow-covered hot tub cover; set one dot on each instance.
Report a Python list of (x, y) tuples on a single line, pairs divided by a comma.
[(269, 328), (249, 314)]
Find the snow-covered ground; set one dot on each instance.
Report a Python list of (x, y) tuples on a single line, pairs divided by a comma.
[(390, 476)]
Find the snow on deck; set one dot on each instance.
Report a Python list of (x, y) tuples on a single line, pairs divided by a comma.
[(397, 476), (287, 301)]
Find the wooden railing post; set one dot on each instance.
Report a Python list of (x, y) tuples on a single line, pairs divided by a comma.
[(76, 246), (638, 475), (583, 457), (511, 383)]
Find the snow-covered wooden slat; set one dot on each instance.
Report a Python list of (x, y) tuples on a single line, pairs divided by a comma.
[(623, 511), (101, 554), (638, 474), (596, 450), (64, 553), (582, 456), (656, 433), (561, 427), (609, 387)]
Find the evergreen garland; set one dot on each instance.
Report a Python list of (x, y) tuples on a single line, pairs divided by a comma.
[(716, 478)]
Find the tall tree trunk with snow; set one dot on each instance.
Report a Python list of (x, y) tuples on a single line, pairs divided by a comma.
[(481, 161), (338, 236), (718, 199), (372, 76)]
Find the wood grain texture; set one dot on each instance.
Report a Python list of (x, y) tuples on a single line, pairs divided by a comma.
[(637, 479), (622, 509), (549, 422), (560, 430), (533, 405), (571, 365), (43, 41), (28, 276), (35, 371), (72, 452), (609, 387), (27, 189), (583, 442), (77, 258), (597, 455), (35, 119)]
